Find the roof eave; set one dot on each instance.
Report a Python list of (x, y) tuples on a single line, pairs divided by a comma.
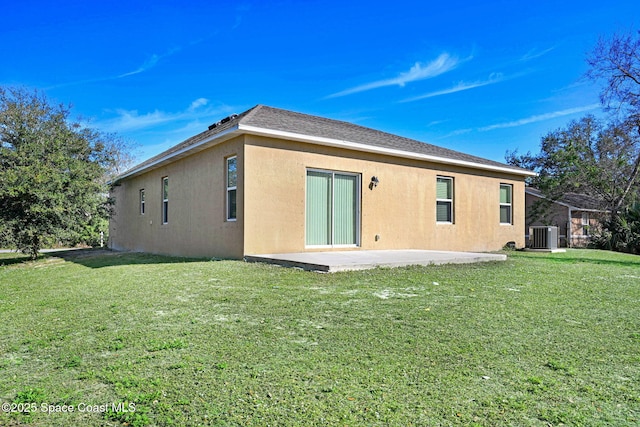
[(240, 129), (188, 150), (566, 205), (253, 130)]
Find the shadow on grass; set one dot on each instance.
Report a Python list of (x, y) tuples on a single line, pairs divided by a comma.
[(584, 257), (99, 257), (596, 261), (11, 258)]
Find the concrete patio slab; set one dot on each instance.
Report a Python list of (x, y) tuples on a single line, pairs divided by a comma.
[(362, 260), (551, 251)]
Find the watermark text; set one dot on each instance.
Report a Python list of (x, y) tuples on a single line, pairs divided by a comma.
[(80, 407)]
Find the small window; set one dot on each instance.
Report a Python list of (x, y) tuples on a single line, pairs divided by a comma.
[(506, 207), (142, 202), (165, 200), (444, 199), (585, 223), (232, 182)]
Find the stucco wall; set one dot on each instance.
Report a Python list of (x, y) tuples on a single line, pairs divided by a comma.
[(401, 209), (271, 198), (197, 218)]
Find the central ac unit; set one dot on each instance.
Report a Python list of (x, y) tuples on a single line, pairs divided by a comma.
[(543, 237)]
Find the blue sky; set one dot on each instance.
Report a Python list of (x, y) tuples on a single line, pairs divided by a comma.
[(479, 77)]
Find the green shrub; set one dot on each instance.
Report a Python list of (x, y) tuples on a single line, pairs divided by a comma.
[(620, 233)]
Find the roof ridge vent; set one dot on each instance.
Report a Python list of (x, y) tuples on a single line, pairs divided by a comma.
[(225, 120)]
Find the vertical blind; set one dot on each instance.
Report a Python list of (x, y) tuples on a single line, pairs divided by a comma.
[(318, 208), (344, 210), (505, 194), (505, 204), (331, 207), (444, 203), (443, 189), (443, 212)]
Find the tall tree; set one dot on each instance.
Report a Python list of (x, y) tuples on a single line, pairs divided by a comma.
[(586, 157), (615, 61), (602, 160), (52, 170)]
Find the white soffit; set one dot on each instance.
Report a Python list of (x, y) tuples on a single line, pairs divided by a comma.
[(375, 149), (253, 130)]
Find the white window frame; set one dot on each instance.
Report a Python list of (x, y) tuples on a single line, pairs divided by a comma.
[(230, 189), (165, 200), (357, 213), (585, 220), (510, 205), (450, 201), (142, 202)]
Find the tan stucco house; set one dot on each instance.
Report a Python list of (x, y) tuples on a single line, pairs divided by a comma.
[(275, 181), (577, 216)]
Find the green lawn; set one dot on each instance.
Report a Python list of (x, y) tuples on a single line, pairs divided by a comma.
[(539, 340)]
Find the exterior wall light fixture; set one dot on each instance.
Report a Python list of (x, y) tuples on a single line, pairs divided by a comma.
[(374, 182)]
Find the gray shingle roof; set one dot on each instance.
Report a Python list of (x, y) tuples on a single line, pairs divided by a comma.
[(575, 201), (278, 120)]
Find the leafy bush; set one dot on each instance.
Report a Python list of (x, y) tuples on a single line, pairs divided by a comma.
[(621, 232)]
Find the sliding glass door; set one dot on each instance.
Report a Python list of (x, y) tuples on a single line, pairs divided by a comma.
[(319, 213), (333, 208)]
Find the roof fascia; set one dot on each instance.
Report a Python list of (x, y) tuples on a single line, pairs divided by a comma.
[(590, 210), (331, 142), (373, 149), (210, 141)]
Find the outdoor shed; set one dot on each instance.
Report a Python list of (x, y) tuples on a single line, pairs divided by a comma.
[(275, 181)]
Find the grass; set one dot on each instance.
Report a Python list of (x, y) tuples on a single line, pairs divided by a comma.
[(540, 340)]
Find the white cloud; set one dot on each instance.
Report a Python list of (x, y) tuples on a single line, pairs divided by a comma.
[(198, 103), (133, 120), (541, 117), (158, 130), (535, 53), (151, 62), (418, 71), (493, 78), (456, 133)]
